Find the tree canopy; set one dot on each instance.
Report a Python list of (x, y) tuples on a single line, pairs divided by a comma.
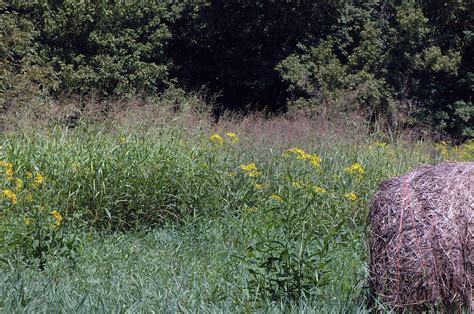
[(408, 62)]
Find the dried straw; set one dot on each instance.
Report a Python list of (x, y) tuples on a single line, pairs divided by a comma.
[(421, 239)]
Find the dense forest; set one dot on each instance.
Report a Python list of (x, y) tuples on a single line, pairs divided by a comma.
[(407, 63)]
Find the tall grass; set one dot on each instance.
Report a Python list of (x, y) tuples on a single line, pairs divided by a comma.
[(173, 219)]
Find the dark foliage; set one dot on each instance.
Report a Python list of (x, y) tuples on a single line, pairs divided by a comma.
[(408, 62)]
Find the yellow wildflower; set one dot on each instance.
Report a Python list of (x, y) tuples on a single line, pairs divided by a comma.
[(233, 137), (355, 169), (463, 152), (27, 221), (303, 156), (297, 184), (315, 160), (18, 184), (319, 189), (29, 197), (216, 139), (6, 164), (277, 197), (296, 151), (251, 170), (9, 194), (57, 217), (8, 169), (254, 174), (9, 173), (249, 167), (259, 186), (39, 179), (231, 174), (3, 163), (351, 196)]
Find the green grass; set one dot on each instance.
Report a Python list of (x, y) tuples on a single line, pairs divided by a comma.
[(168, 221), (163, 270)]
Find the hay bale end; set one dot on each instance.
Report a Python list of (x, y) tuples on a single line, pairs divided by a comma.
[(421, 239)]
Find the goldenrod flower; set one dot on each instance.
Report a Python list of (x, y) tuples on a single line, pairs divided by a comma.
[(249, 167), (8, 169), (254, 174), (233, 137), (57, 217), (9, 173), (355, 169), (315, 160), (27, 221), (2, 163), (18, 184), (39, 179), (6, 164), (294, 150), (10, 195), (351, 196), (259, 186), (216, 139), (251, 170), (462, 152), (319, 189), (277, 197), (297, 184)]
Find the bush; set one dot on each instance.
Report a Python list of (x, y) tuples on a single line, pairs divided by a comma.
[(24, 75), (113, 49)]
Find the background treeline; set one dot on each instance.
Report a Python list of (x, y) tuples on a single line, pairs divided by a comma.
[(408, 63)]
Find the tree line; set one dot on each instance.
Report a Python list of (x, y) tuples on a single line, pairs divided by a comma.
[(406, 62)]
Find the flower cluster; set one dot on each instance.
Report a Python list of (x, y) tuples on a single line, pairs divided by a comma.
[(57, 217), (251, 170), (314, 159), (355, 169), (38, 180), (352, 196), (218, 140), (8, 169), (233, 137), (297, 184), (319, 189), (10, 195), (464, 152), (277, 198), (15, 188)]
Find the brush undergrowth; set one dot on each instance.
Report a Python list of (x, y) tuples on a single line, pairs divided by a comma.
[(118, 221)]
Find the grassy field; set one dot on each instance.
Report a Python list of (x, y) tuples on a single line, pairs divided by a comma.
[(247, 215)]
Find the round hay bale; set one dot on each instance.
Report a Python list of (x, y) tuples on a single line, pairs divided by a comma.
[(421, 239)]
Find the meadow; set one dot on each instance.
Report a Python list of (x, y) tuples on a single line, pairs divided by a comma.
[(249, 214)]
